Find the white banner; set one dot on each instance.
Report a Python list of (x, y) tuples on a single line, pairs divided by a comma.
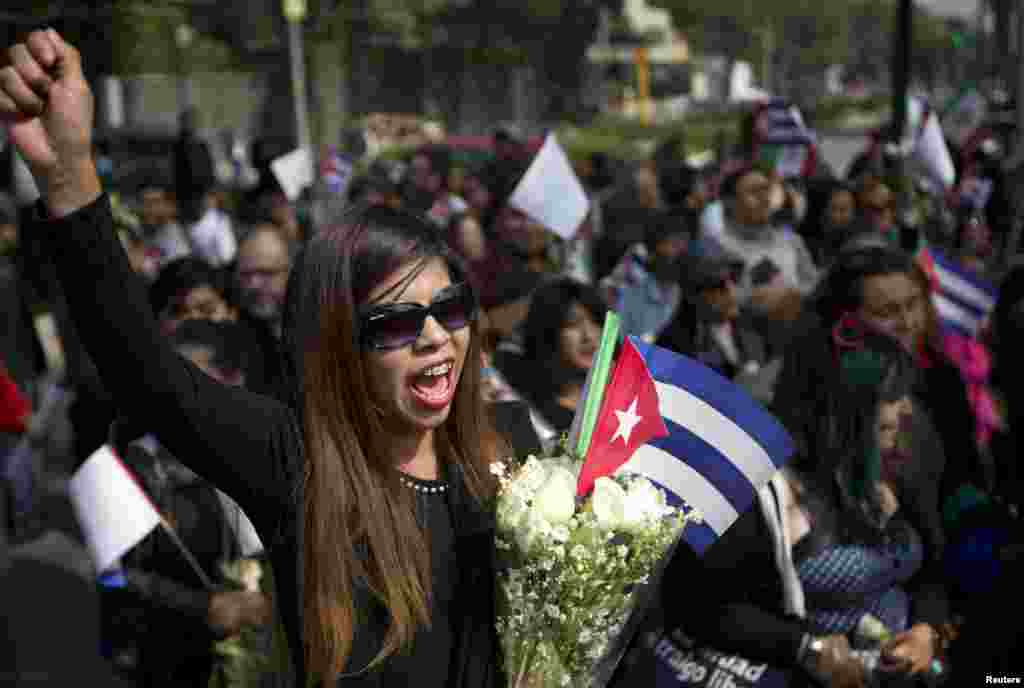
[(550, 193), (294, 172)]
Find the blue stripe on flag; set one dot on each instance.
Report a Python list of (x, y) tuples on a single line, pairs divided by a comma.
[(728, 399), (710, 463), (969, 309), (680, 479), (953, 316), (974, 287), (699, 536)]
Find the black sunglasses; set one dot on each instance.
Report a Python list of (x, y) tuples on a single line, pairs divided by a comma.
[(397, 325)]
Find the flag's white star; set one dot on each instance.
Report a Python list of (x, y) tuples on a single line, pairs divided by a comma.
[(628, 420)]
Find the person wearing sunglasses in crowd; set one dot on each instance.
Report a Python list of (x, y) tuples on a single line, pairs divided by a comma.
[(366, 482)]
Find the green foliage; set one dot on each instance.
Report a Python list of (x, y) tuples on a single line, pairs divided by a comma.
[(804, 33), (144, 42)]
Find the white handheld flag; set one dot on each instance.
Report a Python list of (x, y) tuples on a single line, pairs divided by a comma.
[(114, 512), (550, 193), (294, 172), (933, 154)]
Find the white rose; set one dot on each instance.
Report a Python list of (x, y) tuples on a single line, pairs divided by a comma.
[(608, 503), (644, 503), (565, 461), (556, 500), (530, 477), (532, 527), (511, 510)]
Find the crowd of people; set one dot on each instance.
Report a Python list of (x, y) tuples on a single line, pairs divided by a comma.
[(264, 377)]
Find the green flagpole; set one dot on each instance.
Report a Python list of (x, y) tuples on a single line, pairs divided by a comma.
[(597, 379)]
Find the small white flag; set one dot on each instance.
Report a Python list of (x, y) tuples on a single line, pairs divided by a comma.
[(550, 193), (294, 172), (113, 510), (933, 154)]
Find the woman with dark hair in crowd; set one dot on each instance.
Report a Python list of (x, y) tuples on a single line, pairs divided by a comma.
[(845, 530), (368, 484), (864, 520), (831, 212), (885, 289), (560, 337)]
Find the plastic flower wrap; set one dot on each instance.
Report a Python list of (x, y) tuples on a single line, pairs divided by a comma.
[(568, 567)]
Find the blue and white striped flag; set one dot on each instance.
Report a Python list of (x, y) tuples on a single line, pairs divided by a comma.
[(722, 446), (962, 300)]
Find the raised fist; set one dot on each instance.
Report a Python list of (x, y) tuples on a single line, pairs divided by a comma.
[(48, 109)]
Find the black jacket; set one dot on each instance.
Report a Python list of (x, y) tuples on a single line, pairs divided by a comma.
[(732, 598), (248, 445), (691, 335)]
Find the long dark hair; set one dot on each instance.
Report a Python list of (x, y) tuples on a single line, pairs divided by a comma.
[(829, 399), (550, 306), (842, 289), (351, 495)]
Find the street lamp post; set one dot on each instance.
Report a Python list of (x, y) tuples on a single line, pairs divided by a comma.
[(184, 36), (295, 14), (901, 68)]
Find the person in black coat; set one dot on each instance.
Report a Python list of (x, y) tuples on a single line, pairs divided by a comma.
[(709, 326), (194, 174), (368, 484), (736, 599)]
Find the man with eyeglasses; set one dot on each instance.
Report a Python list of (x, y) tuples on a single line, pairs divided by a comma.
[(264, 262)]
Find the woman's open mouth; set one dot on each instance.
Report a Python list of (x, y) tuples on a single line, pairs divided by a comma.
[(434, 387)]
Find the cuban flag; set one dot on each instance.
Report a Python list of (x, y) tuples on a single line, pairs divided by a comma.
[(962, 299), (697, 435), (783, 141)]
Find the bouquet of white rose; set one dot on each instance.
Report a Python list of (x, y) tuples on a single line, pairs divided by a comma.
[(569, 568)]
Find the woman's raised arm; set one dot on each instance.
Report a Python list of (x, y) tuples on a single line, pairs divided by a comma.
[(236, 439)]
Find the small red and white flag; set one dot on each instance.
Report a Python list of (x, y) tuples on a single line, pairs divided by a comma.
[(115, 513), (629, 418)]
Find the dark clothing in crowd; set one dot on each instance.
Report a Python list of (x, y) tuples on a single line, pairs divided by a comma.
[(56, 648), (693, 336), (167, 597), (624, 226), (556, 415), (194, 175), (262, 362), (22, 354), (942, 393), (251, 447), (512, 419)]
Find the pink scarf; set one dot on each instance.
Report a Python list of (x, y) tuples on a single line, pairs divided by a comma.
[(974, 362)]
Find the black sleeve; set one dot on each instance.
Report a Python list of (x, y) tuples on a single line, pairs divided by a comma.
[(512, 421), (731, 598), (165, 593), (237, 440)]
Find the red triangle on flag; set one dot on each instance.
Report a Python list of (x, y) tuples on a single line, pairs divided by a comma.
[(630, 417)]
